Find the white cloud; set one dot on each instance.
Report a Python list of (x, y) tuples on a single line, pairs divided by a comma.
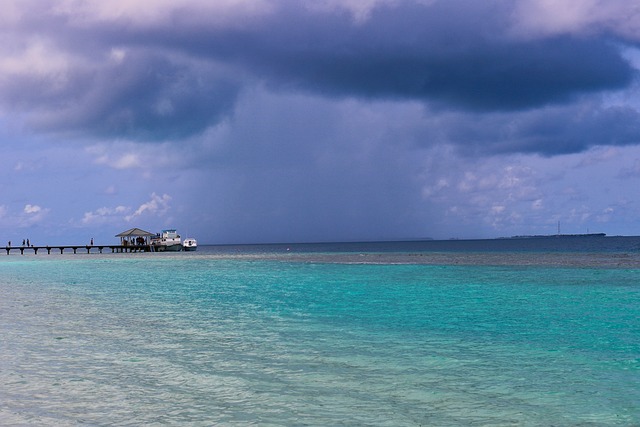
[(158, 205), (117, 55), (32, 214), (126, 161), (105, 214), (39, 60), (606, 215), (126, 155), (32, 209), (534, 18)]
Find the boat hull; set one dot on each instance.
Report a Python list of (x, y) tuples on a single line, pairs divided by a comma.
[(168, 248), (168, 241), (189, 244)]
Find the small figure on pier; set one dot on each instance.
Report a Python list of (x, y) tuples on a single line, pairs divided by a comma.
[(92, 241), (28, 243), (9, 244), (23, 242)]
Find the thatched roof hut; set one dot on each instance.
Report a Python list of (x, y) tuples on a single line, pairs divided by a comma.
[(131, 236)]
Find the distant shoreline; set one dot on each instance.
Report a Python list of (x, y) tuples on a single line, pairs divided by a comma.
[(546, 236), (425, 240)]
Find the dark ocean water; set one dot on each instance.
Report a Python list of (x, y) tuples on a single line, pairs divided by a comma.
[(443, 333), (566, 244)]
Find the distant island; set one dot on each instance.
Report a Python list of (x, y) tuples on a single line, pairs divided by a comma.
[(546, 236)]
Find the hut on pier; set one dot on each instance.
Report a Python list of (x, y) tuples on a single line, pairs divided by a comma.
[(135, 237)]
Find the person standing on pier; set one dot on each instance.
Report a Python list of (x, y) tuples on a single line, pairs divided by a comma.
[(9, 244), (22, 242), (28, 243), (92, 241)]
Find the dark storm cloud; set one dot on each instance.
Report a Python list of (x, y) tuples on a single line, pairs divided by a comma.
[(143, 96), (546, 131), (459, 67), (181, 75), (454, 53), (576, 130)]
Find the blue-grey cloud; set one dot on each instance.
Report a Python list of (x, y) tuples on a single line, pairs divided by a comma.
[(456, 54), (549, 131), (143, 96), (181, 75)]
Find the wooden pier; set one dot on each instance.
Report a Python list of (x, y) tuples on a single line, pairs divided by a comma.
[(88, 248)]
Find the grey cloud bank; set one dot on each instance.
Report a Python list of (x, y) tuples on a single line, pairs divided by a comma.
[(181, 75)]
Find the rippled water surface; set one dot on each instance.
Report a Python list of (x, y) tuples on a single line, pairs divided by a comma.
[(285, 335)]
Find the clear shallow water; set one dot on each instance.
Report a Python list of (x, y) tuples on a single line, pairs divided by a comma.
[(270, 336)]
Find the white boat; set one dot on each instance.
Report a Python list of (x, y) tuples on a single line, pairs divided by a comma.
[(189, 244), (168, 240)]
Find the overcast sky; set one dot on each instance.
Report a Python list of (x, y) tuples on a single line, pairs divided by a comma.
[(240, 121)]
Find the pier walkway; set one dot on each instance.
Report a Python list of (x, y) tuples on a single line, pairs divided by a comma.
[(89, 248)]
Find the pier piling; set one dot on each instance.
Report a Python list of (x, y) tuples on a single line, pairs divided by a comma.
[(114, 248)]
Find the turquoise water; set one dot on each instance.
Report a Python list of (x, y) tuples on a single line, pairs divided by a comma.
[(229, 338)]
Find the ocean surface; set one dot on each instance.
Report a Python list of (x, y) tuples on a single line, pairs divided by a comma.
[(510, 332)]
